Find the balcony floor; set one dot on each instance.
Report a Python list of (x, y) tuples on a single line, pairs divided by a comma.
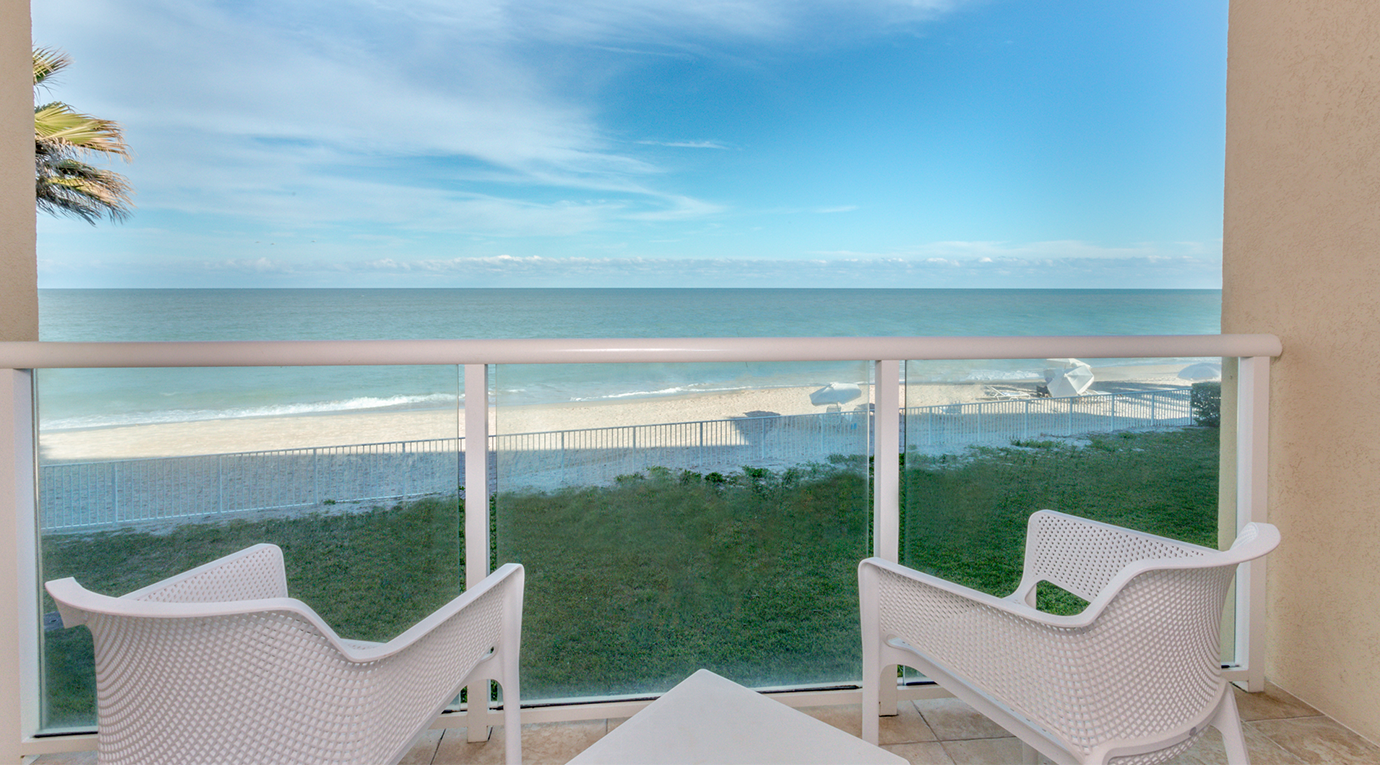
[(1280, 730)]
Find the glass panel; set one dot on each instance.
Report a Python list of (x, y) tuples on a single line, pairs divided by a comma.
[(1133, 442), (679, 516), (145, 473)]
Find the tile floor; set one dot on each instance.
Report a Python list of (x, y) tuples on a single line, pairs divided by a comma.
[(1280, 730)]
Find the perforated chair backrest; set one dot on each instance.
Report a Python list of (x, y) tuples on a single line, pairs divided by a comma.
[(1083, 556), (253, 573), (1144, 657), (181, 679)]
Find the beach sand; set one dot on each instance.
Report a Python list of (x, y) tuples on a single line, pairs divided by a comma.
[(302, 431)]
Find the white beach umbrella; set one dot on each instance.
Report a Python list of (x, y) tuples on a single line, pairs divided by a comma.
[(1071, 378), (1203, 370), (835, 393)]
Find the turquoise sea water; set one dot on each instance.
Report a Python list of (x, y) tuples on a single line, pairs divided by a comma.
[(94, 398)]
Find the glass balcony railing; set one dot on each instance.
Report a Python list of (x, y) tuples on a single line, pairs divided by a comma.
[(723, 532), (678, 504), (358, 487)]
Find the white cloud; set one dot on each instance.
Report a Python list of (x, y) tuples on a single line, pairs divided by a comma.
[(1159, 270), (987, 252), (686, 144), (397, 112)]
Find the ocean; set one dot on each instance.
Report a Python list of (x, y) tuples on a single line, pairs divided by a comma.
[(102, 398)]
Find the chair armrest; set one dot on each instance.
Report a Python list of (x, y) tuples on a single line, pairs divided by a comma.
[(949, 596), (76, 604), (507, 581)]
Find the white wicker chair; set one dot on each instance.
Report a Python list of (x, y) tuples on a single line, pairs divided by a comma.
[(1134, 679), (218, 665)]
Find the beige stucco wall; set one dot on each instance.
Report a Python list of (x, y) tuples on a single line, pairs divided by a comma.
[(18, 321), (18, 272), (1302, 260)]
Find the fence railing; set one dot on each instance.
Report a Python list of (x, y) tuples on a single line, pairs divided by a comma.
[(82, 494), (110, 493), (937, 427)]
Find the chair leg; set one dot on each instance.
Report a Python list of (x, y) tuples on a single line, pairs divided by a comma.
[(1228, 722), (512, 727), (871, 725), (888, 694), (512, 717), (871, 653), (477, 716)]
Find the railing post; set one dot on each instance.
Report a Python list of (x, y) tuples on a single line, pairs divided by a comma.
[(1252, 469), (19, 602), (886, 470), (700, 455), (886, 486), (477, 520)]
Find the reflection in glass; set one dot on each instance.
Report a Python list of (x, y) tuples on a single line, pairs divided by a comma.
[(145, 473)]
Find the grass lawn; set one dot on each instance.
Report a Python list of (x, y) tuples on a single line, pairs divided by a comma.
[(370, 575), (631, 587), (964, 517)]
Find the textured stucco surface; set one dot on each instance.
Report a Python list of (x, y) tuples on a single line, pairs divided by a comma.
[(18, 321), (1302, 260), (18, 267)]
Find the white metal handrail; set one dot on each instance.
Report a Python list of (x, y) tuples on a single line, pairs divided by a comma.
[(306, 353)]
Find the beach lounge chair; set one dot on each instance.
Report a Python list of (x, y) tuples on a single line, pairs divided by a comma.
[(1134, 679), (219, 665)]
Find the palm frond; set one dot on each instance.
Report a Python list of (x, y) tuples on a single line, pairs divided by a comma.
[(48, 62), (71, 187), (57, 123), (63, 184)]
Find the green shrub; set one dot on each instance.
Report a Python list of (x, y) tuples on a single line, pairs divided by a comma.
[(1206, 403)]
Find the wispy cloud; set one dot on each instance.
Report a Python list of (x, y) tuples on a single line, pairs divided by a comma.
[(316, 111), (983, 251), (1071, 269), (417, 139), (686, 144)]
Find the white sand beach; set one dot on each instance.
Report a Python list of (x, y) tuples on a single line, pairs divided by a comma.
[(301, 431)]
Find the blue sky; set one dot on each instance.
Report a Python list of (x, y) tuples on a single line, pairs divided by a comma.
[(755, 143)]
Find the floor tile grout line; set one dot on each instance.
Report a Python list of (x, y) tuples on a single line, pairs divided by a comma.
[(925, 720), (1348, 731)]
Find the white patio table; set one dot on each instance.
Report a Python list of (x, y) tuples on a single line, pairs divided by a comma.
[(707, 719)]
